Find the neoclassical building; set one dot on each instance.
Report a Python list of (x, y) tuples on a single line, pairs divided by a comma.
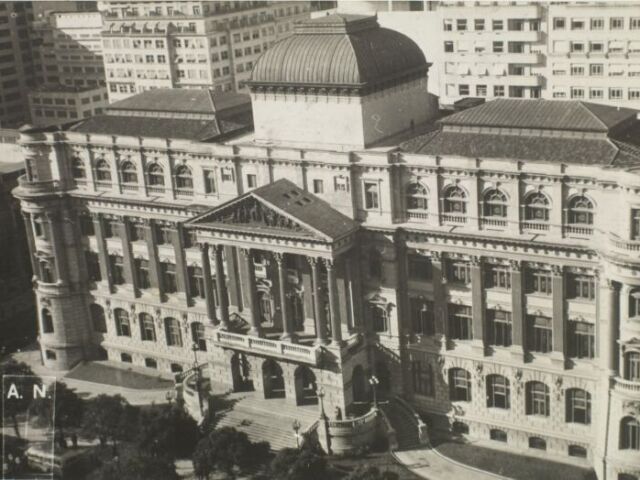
[(484, 266)]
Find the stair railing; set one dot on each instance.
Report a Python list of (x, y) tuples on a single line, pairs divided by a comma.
[(423, 432)]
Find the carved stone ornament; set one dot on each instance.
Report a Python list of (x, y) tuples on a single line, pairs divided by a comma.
[(109, 309), (632, 407), (251, 212), (558, 385)]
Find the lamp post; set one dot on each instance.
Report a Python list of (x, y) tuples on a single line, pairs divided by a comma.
[(321, 399), (374, 382), (169, 396), (296, 428), (194, 347)]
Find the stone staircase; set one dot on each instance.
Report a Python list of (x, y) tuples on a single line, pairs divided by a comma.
[(403, 422), (267, 420)]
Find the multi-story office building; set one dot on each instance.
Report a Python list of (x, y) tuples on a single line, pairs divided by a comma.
[(74, 83), (594, 52), (486, 270), (195, 44), (19, 62)]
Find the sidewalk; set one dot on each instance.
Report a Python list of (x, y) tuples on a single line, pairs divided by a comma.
[(430, 464)]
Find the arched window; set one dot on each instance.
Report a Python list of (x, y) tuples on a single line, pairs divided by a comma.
[(417, 197), (184, 179), (123, 327), (155, 175), (147, 328), (47, 321), (537, 443), (537, 207), (103, 171), (578, 406), (632, 366), (98, 318), (129, 173), (46, 272), (498, 395), (580, 211), (173, 333), (455, 200), (629, 434), (197, 335), (459, 385), (537, 394), (78, 170), (125, 357), (379, 318), (495, 204)]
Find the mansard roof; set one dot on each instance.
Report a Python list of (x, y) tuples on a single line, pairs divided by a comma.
[(542, 114), (282, 209), (339, 51)]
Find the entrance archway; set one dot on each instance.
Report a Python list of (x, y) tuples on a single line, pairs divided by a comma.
[(359, 384), (273, 379), (241, 373), (306, 386)]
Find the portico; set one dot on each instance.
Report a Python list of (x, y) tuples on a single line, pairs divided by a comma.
[(284, 268)]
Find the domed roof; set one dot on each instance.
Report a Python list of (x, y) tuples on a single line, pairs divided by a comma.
[(339, 51)]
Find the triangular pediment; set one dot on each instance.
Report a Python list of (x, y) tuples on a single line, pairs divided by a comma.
[(254, 215)]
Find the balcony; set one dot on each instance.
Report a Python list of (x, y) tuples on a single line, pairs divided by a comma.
[(625, 248), (274, 348), (155, 190), (535, 227), (417, 216), (35, 187), (448, 218), (578, 231), (627, 386), (493, 223)]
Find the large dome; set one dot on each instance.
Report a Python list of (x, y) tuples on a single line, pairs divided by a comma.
[(350, 51)]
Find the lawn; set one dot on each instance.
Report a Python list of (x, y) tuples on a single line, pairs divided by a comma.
[(518, 467), (98, 373)]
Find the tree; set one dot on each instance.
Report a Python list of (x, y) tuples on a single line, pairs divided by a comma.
[(139, 467), (109, 417), (169, 433), (67, 409), (24, 380), (307, 463), (228, 450), (369, 472)]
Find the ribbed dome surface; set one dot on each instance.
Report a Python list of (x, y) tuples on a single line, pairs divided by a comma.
[(339, 50)]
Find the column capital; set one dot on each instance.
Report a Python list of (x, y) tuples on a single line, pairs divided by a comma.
[(608, 284), (203, 247), (475, 260), (245, 252), (329, 263), (279, 258), (216, 247), (557, 270), (516, 265), (437, 256), (313, 261)]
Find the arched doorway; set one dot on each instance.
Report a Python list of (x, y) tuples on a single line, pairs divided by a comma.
[(306, 386), (241, 373), (264, 302), (384, 378), (359, 384), (273, 379)]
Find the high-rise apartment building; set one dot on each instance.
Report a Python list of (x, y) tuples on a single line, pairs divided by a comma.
[(74, 83), (19, 62), (194, 44), (485, 268)]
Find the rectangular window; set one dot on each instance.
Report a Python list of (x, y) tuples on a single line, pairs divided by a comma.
[(422, 377), (577, 92), (577, 47), (169, 277), (252, 180), (615, 94), (479, 24), (577, 70), (500, 327), (460, 322), (596, 69), (498, 277), (318, 186), (497, 25), (461, 24), (616, 23), (596, 93), (93, 266), (597, 23), (196, 282), (447, 25), (86, 226), (226, 173), (581, 340), (582, 287), (634, 94), (163, 236), (498, 47), (540, 332), (498, 91), (634, 23), (142, 272), (422, 320), (635, 223), (577, 24), (209, 181), (117, 269), (539, 281), (463, 90), (481, 90), (459, 272), (448, 47), (559, 23), (371, 195), (596, 47), (341, 184)]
